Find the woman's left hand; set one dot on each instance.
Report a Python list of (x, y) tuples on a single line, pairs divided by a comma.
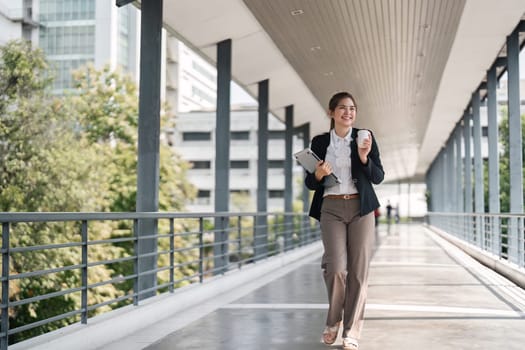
[(365, 150)]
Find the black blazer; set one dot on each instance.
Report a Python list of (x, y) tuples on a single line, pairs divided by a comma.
[(362, 175)]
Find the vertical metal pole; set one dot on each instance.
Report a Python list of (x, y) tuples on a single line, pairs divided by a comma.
[(84, 272), (468, 176), (4, 341), (288, 177), (149, 137), (222, 152), (255, 230), (460, 201), (429, 194), (239, 240), (450, 174), (515, 142), (443, 182), (493, 142), (201, 249), (409, 214), (442, 178), (172, 254), (306, 193), (262, 171), (478, 170), (136, 262)]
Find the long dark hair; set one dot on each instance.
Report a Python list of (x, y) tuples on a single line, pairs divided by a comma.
[(334, 101)]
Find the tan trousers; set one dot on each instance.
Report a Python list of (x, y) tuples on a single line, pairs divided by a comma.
[(348, 241)]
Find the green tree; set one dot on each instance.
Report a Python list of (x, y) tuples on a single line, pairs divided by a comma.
[(505, 159), (44, 166), (73, 153), (106, 105)]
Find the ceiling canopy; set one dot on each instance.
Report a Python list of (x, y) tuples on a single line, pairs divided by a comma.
[(411, 64)]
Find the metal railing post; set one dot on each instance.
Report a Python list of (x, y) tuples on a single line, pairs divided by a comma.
[(254, 244), (84, 272), (136, 262), (521, 242), (201, 249), (172, 255), (239, 239), (5, 286)]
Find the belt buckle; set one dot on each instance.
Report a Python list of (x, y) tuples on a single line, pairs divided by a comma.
[(347, 196)]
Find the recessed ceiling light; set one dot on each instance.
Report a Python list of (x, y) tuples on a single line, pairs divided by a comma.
[(327, 74), (315, 48), (296, 12)]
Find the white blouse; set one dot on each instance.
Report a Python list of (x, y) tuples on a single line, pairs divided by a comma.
[(338, 155)]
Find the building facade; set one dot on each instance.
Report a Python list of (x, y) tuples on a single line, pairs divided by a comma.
[(18, 19), (194, 139), (74, 33)]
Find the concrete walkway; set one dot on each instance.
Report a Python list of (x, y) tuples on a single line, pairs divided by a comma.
[(424, 294)]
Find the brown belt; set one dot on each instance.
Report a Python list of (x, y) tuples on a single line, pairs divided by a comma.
[(342, 196)]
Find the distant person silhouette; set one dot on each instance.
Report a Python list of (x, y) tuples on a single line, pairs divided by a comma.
[(389, 212)]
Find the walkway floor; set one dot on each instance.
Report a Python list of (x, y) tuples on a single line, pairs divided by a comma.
[(424, 293)]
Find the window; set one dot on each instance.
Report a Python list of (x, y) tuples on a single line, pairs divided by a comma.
[(240, 135), (201, 164), (199, 68), (239, 164), (65, 10), (276, 164), (63, 70), (240, 192), (276, 135), (68, 40), (196, 136), (275, 194), (203, 194), (196, 92), (123, 30)]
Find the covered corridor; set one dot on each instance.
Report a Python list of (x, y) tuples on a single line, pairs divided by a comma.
[(421, 72)]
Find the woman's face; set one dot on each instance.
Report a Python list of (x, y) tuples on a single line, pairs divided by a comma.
[(344, 113)]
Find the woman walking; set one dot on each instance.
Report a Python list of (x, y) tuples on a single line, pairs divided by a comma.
[(346, 214)]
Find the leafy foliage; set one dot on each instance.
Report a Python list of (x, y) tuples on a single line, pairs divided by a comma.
[(70, 154), (505, 160)]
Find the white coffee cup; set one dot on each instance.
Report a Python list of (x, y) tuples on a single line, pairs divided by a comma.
[(362, 135)]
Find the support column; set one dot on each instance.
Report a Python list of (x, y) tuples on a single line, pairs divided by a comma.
[(261, 238), (479, 200), (467, 175), (515, 143), (493, 142), (431, 188), (288, 177), (306, 144), (451, 174), (443, 179), (222, 155), (460, 201), (305, 234), (148, 141)]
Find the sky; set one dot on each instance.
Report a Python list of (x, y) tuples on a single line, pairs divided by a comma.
[(239, 96)]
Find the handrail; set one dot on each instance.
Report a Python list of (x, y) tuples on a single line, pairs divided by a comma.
[(91, 216), (185, 253), (501, 235)]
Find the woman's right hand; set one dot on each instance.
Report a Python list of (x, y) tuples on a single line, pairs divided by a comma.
[(322, 169)]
